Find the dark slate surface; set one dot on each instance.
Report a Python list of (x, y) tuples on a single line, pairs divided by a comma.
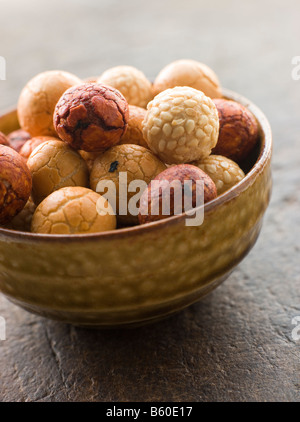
[(237, 343)]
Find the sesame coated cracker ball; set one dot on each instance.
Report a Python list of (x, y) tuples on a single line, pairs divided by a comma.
[(15, 184), (32, 143), (188, 73), (134, 132), (54, 165), (38, 99), (73, 210), (139, 164), (133, 84), (91, 117), (224, 172), (181, 125)]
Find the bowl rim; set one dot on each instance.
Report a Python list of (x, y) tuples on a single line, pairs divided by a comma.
[(263, 158)]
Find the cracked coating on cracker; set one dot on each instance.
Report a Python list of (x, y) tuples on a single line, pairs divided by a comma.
[(53, 165), (224, 172), (138, 162), (131, 82), (15, 183), (154, 196), (91, 117), (238, 130), (188, 73), (38, 99), (73, 210), (32, 143), (181, 125)]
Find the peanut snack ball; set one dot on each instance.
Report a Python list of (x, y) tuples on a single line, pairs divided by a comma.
[(54, 165), (38, 99), (238, 132), (91, 117), (15, 184), (224, 172), (89, 157), (181, 125), (3, 139), (73, 210), (17, 139), (22, 221), (32, 143), (134, 132), (188, 73), (138, 163), (131, 82), (154, 196)]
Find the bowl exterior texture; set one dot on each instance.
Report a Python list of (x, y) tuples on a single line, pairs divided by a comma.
[(135, 275)]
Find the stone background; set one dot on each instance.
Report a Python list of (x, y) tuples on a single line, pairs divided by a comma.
[(235, 345)]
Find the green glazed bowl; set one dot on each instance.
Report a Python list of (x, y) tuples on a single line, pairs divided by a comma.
[(140, 274)]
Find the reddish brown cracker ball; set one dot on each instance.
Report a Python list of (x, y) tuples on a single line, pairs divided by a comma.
[(17, 139), (32, 143), (3, 139), (91, 117), (156, 195), (15, 183), (238, 133)]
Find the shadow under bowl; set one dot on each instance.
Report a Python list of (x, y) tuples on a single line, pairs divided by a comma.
[(137, 275)]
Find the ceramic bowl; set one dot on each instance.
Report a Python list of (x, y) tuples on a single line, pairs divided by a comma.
[(140, 274)]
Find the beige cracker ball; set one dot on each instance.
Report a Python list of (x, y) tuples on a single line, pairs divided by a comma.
[(73, 210), (188, 73), (224, 172), (53, 165), (38, 99), (136, 161), (134, 132), (181, 125), (131, 82)]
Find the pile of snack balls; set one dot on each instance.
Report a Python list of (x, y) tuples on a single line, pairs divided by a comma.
[(75, 133)]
